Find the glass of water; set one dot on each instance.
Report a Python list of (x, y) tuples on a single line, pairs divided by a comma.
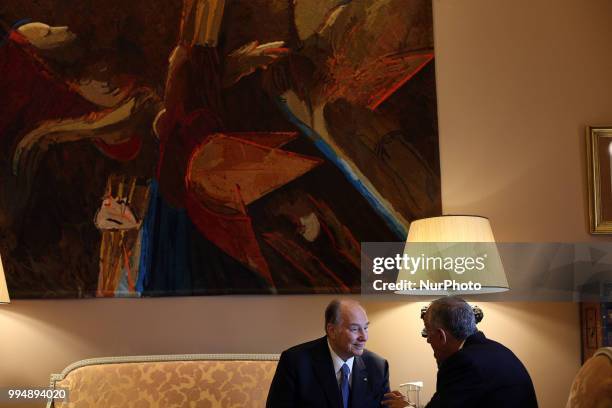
[(412, 392)]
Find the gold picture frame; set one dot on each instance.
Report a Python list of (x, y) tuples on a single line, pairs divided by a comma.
[(599, 162)]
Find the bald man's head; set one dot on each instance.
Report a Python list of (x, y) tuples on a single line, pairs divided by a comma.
[(346, 326)]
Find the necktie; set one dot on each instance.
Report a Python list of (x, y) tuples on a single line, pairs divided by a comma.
[(344, 385)]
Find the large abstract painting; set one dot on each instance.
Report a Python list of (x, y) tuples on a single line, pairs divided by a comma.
[(203, 147)]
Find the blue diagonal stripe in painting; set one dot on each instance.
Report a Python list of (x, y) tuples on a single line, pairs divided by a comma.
[(387, 215), (147, 237)]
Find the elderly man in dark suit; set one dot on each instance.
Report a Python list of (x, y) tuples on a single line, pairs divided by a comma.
[(473, 371), (335, 371)]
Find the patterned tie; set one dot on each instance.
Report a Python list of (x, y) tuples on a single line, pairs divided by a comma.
[(344, 385)]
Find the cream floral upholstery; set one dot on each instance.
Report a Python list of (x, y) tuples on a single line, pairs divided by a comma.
[(592, 387), (206, 381)]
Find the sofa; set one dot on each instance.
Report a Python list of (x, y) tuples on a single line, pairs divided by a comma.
[(592, 387), (195, 380)]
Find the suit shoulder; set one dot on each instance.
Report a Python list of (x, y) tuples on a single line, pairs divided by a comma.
[(489, 355), (489, 347), (371, 357), (304, 347)]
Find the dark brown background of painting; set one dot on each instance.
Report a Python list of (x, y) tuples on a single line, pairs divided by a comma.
[(54, 244), (141, 33)]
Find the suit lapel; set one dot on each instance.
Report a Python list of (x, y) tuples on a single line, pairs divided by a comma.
[(324, 371), (359, 383)]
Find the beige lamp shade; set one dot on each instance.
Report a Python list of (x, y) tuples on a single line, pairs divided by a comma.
[(4, 296), (451, 255)]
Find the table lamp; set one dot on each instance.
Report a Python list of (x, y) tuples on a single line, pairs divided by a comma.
[(452, 255)]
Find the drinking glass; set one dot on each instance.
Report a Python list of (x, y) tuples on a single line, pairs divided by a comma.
[(412, 391)]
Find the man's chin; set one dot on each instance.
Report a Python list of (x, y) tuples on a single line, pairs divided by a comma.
[(358, 351)]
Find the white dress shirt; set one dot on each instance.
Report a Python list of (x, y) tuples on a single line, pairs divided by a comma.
[(338, 363)]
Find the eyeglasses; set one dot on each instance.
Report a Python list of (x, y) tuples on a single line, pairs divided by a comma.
[(423, 311)]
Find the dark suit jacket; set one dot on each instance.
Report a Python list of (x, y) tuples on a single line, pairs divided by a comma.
[(305, 378), (483, 374)]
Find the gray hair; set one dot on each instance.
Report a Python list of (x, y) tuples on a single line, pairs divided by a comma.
[(332, 313), (454, 315)]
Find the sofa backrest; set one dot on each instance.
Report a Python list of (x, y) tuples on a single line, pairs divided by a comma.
[(197, 380)]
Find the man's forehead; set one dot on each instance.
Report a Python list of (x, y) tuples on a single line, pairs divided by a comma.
[(353, 312), (358, 323)]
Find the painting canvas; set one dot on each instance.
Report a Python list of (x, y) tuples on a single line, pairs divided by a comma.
[(205, 147)]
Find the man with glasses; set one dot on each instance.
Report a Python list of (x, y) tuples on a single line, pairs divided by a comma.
[(473, 371)]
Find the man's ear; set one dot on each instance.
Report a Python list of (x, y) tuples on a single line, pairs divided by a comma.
[(441, 335), (330, 330)]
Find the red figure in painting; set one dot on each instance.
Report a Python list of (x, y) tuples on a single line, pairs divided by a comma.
[(211, 173)]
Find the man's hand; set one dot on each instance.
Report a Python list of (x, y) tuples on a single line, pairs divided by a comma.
[(395, 399), (246, 59)]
